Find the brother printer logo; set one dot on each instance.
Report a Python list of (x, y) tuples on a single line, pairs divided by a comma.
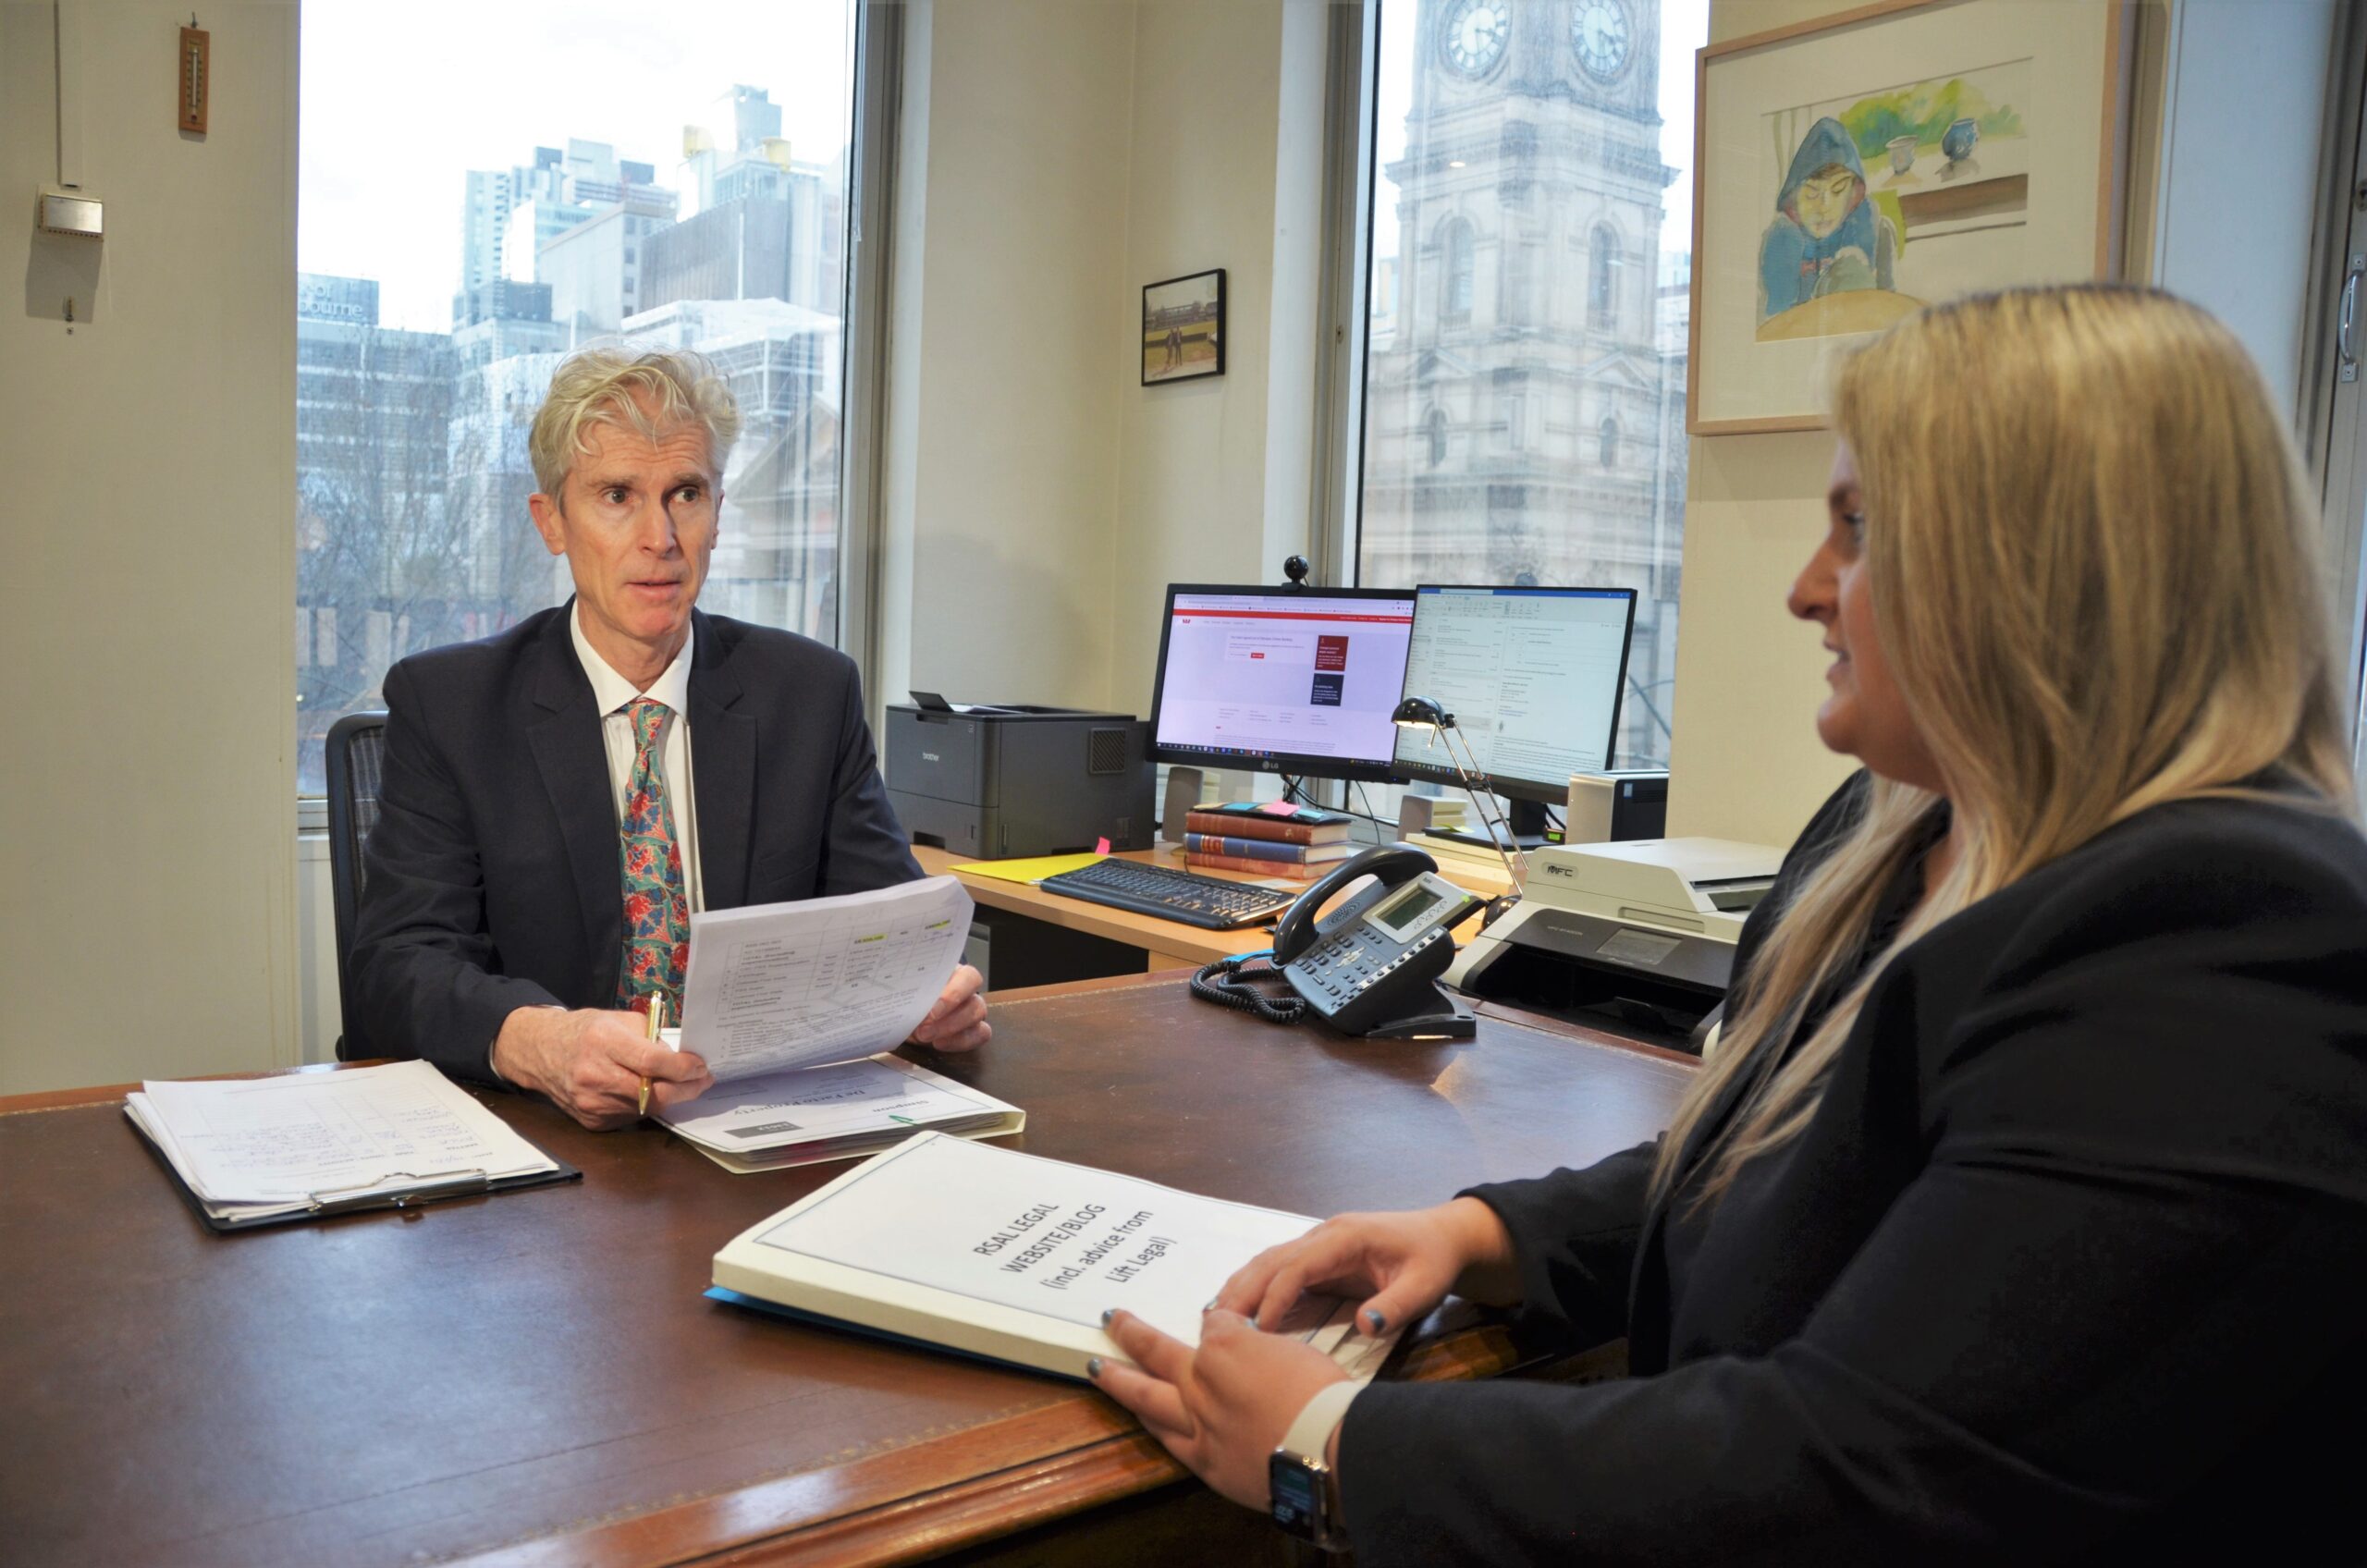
[(1553, 870), (931, 757)]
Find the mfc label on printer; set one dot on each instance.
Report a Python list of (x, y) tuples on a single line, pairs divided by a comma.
[(1636, 946)]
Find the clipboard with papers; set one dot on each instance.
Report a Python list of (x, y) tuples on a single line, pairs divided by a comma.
[(298, 1146)]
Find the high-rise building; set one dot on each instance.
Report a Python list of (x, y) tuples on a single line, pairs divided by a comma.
[(776, 556), (372, 475), (512, 218), (1517, 398), (765, 227)]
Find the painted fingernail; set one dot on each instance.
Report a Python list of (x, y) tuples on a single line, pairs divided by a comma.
[(1107, 1314), (1211, 1307), (1093, 1369), (1377, 1320)]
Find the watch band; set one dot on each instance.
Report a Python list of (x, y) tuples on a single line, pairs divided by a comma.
[(1318, 1417)]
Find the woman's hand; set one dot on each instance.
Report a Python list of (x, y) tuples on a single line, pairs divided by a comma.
[(1221, 1409), (1403, 1264)]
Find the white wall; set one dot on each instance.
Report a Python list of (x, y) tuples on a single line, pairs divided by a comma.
[(1057, 155), (1010, 320), (1215, 474), (149, 533)]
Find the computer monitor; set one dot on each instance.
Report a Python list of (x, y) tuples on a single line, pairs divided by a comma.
[(1533, 678), (1281, 679)]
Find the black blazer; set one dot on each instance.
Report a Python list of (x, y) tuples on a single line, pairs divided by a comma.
[(493, 880), (2068, 1265)]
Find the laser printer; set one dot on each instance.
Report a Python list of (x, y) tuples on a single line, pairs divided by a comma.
[(1004, 780), (1647, 926)]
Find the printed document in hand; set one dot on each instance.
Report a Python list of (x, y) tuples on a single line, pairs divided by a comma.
[(818, 980), (810, 1114), (1016, 1257), (254, 1147)]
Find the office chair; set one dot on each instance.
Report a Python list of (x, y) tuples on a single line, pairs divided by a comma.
[(356, 748)]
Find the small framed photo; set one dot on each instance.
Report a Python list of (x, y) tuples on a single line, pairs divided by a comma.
[(1183, 328)]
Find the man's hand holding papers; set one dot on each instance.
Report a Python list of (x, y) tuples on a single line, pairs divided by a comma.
[(769, 988)]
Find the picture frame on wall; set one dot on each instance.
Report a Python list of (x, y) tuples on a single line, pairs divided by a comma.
[(1851, 169), (1183, 328)]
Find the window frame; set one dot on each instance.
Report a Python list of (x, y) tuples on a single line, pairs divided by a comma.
[(874, 48)]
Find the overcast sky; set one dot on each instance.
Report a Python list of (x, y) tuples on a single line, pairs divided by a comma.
[(399, 102)]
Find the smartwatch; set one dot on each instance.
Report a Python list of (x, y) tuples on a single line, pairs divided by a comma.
[(1304, 1489)]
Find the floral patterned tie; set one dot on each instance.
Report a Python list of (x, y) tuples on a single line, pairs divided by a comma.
[(657, 911)]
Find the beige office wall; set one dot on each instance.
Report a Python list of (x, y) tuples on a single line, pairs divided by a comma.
[(1010, 324), (1056, 157), (148, 787), (1744, 762)]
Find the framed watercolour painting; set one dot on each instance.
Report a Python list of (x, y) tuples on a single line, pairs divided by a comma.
[(1183, 328), (1856, 167)]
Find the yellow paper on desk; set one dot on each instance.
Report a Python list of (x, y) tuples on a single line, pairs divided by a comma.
[(1034, 869)]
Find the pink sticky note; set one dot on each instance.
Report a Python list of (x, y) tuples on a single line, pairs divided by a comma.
[(1101, 846), (1280, 808)]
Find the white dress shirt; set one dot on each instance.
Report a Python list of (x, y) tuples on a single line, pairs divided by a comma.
[(612, 694)]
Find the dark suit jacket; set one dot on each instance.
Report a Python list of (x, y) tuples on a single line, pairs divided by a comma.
[(2066, 1265), (493, 880)]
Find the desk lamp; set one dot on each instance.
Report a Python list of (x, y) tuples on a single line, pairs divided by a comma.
[(1424, 713)]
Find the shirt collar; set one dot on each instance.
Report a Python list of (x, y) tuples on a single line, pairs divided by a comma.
[(612, 692)]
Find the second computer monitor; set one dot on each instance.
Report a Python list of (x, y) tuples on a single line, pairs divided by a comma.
[(1279, 680), (1532, 676)]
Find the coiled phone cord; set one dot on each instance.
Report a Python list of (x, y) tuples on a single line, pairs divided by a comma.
[(1224, 984)]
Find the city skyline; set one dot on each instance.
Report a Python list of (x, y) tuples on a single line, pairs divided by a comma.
[(386, 204)]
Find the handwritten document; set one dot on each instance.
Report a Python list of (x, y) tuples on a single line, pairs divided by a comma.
[(289, 1139), (819, 980)]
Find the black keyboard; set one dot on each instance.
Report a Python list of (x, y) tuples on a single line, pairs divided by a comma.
[(1171, 895)]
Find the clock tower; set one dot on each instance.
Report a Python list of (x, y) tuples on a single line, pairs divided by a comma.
[(1517, 401)]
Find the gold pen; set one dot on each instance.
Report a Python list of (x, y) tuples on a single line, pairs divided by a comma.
[(656, 1016)]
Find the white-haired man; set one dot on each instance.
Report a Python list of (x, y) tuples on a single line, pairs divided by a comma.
[(558, 799)]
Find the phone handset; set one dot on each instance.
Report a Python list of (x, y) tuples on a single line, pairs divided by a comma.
[(1369, 968)]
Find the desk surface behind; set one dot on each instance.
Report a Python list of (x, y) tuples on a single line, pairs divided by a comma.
[(536, 1378)]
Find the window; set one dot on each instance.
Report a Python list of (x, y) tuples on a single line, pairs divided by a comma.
[(424, 344), (1456, 303), (1572, 471), (1602, 280)]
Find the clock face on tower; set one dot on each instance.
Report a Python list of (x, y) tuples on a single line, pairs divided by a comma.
[(1598, 32), (1472, 37)]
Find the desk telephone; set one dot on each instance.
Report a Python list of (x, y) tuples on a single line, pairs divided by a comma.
[(1371, 968)]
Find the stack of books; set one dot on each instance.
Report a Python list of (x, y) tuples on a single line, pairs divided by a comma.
[(1275, 838)]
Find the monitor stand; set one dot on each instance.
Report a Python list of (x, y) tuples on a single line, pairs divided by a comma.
[(1526, 820)]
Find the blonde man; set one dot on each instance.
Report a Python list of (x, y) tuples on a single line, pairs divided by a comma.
[(559, 799)]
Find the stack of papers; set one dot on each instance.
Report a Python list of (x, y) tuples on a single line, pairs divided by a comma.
[(818, 1113), (789, 1004), (315, 1142), (819, 980)]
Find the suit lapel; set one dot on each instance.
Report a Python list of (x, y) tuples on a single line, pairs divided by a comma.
[(574, 764), (723, 768)]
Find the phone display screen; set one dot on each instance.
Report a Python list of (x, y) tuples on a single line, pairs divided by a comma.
[(1405, 916)]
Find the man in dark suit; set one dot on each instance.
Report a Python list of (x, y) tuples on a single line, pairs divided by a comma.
[(557, 800)]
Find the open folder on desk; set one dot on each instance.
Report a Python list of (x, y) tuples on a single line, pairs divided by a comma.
[(260, 1151)]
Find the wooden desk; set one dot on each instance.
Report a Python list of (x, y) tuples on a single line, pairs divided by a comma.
[(534, 1378), (1171, 944)]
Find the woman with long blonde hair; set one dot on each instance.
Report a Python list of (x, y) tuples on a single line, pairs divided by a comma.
[(2023, 1211)]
